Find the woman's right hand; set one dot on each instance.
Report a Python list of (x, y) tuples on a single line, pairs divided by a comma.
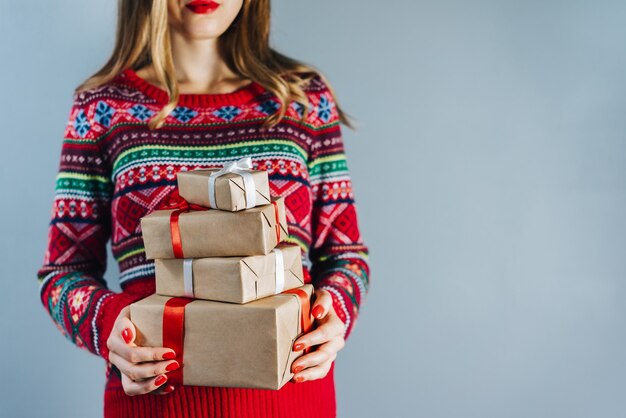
[(143, 368)]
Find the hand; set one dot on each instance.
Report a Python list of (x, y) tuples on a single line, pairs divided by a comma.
[(143, 368), (327, 335)]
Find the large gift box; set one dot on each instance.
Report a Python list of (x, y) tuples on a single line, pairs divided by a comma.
[(234, 187), (184, 233), (231, 279), (226, 344)]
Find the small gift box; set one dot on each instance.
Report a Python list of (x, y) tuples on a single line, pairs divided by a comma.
[(231, 279), (226, 344), (190, 231), (234, 187)]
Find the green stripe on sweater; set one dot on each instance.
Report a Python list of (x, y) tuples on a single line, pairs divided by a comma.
[(243, 149), (67, 181)]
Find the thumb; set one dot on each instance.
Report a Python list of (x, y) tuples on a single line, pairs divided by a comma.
[(322, 304), (124, 326)]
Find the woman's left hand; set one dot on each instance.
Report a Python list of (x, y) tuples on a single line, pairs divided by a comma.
[(327, 335)]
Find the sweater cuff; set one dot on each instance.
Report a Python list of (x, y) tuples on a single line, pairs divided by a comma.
[(343, 308), (107, 311)]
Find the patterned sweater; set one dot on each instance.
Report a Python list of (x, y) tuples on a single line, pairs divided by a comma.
[(115, 170)]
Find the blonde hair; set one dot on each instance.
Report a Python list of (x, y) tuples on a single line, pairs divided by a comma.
[(142, 38)]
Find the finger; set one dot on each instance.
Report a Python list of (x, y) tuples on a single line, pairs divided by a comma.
[(322, 305), (163, 390), (142, 371), (323, 333), (312, 373), (133, 388), (135, 354), (311, 359), (125, 327), (325, 352), (115, 344)]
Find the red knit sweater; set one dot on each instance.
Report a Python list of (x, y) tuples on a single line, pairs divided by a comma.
[(115, 170)]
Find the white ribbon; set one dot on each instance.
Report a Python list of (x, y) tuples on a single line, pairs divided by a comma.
[(280, 271), (238, 167), (188, 277)]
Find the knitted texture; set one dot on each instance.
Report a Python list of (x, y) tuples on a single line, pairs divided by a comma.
[(115, 170)]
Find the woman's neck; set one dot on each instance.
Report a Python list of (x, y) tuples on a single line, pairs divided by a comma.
[(199, 67)]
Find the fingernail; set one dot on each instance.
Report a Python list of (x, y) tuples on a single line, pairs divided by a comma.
[(298, 368), (299, 379), (126, 335), (318, 311), (172, 366), (169, 355), (160, 380), (298, 347), (168, 389)]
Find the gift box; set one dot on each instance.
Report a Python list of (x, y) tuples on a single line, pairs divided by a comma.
[(185, 233), (234, 187), (231, 279), (226, 344)]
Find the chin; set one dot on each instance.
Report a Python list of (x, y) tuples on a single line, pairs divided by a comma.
[(203, 34), (203, 30)]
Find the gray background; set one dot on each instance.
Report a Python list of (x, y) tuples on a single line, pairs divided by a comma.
[(489, 173)]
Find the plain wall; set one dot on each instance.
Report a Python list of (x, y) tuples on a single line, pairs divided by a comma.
[(490, 180)]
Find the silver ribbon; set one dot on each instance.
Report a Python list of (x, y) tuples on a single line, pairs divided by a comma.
[(238, 167), (188, 277), (280, 271)]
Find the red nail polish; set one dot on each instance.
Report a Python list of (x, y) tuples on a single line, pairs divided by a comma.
[(299, 379), (169, 355), (160, 380), (172, 366), (126, 335), (298, 347), (318, 311), (298, 369), (168, 389)]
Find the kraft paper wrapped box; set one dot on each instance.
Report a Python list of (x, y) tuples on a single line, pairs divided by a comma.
[(227, 344), (216, 233), (231, 279), (228, 192)]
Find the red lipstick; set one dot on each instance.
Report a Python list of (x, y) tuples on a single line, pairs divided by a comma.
[(202, 6)]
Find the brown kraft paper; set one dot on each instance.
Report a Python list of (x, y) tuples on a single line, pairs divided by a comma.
[(216, 233), (230, 345), (231, 279), (230, 194)]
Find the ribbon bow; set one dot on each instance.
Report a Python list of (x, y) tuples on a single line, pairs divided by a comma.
[(238, 167), (179, 205)]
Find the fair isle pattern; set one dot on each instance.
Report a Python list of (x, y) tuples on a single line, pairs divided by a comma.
[(114, 170)]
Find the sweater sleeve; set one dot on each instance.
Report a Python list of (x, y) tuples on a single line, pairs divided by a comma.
[(338, 255), (72, 288)]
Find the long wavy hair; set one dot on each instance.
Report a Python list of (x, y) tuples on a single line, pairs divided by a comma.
[(142, 38)]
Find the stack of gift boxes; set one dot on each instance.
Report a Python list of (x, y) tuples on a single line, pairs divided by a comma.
[(230, 295)]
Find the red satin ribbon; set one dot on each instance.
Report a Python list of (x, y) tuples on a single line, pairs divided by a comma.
[(174, 333), (174, 327), (305, 307), (179, 205)]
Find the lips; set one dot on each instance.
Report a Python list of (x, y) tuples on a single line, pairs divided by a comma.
[(202, 6)]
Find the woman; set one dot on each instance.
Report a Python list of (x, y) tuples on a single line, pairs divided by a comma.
[(194, 85)]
